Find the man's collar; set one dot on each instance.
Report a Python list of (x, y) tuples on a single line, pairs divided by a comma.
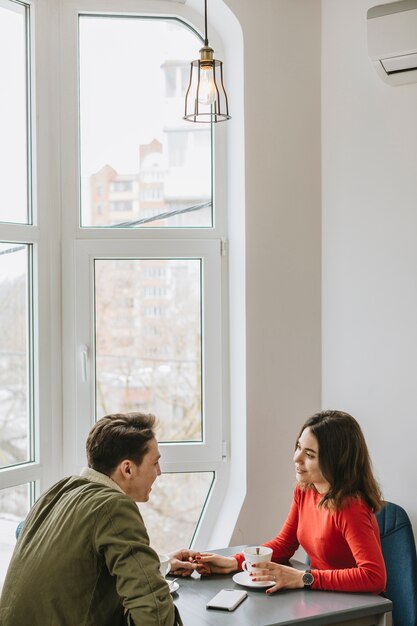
[(97, 477)]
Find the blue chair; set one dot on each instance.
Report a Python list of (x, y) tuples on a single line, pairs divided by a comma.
[(19, 528), (399, 551)]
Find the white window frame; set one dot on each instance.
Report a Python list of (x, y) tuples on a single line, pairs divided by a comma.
[(43, 236), (177, 456), (82, 245), (55, 233), (55, 236), (27, 234)]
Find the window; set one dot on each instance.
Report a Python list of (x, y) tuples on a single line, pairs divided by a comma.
[(126, 122), (161, 370), (178, 499), (20, 452), (15, 204), (156, 292), (15, 503), (124, 188), (121, 186), (177, 142), (16, 432), (121, 205), (147, 286), (158, 353)]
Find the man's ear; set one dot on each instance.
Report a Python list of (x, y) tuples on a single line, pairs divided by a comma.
[(126, 468)]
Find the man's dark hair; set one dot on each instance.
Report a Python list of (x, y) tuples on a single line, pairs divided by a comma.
[(117, 437)]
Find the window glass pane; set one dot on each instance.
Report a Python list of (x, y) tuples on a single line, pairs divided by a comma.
[(13, 114), (14, 355), (141, 163), (14, 506), (174, 508), (148, 341)]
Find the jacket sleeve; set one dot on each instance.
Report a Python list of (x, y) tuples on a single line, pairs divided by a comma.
[(285, 543), (178, 621), (358, 526), (121, 538)]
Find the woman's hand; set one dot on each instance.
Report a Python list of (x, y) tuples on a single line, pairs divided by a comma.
[(209, 563), (285, 577), (183, 562)]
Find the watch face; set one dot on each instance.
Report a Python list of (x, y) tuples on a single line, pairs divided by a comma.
[(308, 579)]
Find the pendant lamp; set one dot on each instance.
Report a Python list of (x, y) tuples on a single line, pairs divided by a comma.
[(206, 98)]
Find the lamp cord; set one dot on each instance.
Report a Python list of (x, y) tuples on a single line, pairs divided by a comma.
[(205, 23)]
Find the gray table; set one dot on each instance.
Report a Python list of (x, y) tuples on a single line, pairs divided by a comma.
[(284, 607)]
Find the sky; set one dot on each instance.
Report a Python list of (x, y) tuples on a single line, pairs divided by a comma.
[(122, 103), (122, 86), (13, 168), (121, 94)]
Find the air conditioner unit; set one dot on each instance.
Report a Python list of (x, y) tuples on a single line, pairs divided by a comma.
[(392, 41)]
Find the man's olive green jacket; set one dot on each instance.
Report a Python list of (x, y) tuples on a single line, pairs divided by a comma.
[(82, 558)]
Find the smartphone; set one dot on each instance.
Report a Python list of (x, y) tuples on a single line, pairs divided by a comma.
[(227, 599)]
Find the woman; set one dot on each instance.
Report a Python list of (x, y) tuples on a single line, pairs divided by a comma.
[(331, 516)]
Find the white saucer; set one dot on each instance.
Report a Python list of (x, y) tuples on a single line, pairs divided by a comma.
[(243, 578), (173, 587)]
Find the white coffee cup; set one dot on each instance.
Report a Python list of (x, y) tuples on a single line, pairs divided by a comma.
[(164, 564), (255, 554)]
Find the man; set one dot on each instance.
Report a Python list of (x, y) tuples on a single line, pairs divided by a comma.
[(83, 557)]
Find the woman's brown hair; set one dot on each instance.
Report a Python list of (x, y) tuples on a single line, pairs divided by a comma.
[(343, 459)]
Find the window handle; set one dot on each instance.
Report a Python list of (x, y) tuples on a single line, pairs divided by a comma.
[(84, 363)]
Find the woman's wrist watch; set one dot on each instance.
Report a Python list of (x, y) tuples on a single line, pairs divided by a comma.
[(308, 579)]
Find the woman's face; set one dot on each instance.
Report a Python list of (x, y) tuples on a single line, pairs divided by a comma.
[(306, 459)]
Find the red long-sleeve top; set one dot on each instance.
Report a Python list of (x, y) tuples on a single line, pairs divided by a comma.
[(344, 546)]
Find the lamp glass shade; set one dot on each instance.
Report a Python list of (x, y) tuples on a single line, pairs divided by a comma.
[(206, 98)]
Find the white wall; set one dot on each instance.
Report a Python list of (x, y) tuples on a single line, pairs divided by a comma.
[(281, 41), (369, 133), (369, 253)]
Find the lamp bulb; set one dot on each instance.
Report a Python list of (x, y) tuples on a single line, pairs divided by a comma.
[(207, 92)]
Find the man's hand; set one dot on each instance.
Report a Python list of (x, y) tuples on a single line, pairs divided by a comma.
[(183, 562)]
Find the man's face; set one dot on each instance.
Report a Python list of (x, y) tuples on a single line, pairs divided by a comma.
[(144, 475)]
